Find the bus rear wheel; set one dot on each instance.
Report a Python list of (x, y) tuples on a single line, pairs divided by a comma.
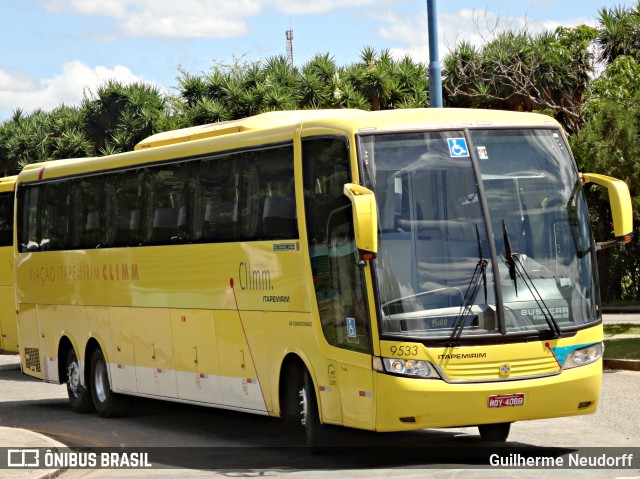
[(495, 432), (79, 396), (106, 402)]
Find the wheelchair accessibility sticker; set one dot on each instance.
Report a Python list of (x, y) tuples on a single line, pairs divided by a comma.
[(458, 147), (351, 328)]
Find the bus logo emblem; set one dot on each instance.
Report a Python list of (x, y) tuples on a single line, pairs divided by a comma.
[(504, 370)]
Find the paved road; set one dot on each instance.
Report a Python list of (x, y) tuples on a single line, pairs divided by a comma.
[(633, 318), (263, 447)]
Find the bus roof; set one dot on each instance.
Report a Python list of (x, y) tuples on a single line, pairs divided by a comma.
[(7, 183), (359, 118), (258, 122), (280, 126)]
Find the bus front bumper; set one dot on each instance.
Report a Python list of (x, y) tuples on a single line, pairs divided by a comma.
[(407, 404)]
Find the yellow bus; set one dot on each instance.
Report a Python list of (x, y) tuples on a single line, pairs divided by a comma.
[(8, 327), (387, 271)]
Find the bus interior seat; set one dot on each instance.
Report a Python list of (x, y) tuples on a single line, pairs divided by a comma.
[(279, 217), (220, 220), (182, 222), (134, 220), (92, 230), (165, 225), (128, 227)]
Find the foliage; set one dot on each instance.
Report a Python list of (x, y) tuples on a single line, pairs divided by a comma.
[(618, 83), (609, 143), (618, 32), (376, 81), (518, 70), (118, 116)]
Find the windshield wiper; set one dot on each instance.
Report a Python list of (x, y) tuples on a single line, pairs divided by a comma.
[(516, 268), (510, 260), (479, 274)]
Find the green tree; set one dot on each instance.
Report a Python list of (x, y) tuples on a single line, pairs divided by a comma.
[(517, 70), (609, 144), (118, 116), (618, 32)]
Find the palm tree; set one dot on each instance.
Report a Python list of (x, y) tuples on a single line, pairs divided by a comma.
[(133, 109), (618, 32)]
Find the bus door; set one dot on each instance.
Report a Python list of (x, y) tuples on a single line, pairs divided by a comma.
[(339, 284)]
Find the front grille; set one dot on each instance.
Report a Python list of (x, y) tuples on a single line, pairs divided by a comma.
[(490, 370)]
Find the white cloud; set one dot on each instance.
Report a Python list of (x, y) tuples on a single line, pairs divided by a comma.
[(188, 19), (17, 90), (306, 7), (473, 26), (184, 19), (109, 8)]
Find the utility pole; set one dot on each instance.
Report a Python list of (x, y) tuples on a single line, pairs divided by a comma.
[(435, 72)]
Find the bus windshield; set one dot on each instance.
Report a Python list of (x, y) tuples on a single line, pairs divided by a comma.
[(499, 248)]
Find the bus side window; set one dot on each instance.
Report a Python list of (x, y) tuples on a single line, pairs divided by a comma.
[(267, 195), (278, 219), (88, 212), (55, 216), (168, 203), (216, 198), (6, 219), (126, 199), (28, 227)]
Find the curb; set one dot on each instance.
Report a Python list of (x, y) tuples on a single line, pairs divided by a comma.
[(624, 364)]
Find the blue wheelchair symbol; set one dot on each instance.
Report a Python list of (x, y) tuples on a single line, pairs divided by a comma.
[(458, 147), (351, 328)]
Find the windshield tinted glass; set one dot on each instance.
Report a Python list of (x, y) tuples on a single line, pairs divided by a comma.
[(434, 268)]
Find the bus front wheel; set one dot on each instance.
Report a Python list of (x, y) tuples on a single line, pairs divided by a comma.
[(106, 402), (79, 396), (495, 432), (318, 435)]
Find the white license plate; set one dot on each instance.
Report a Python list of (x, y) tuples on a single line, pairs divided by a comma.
[(506, 400)]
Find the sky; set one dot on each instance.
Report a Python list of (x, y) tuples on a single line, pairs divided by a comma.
[(56, 51)]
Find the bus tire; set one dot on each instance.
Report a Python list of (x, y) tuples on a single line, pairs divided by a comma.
[(79, 396), (318, 435), (106, 402), (495, 432)]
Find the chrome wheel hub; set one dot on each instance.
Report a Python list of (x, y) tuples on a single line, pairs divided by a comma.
[(303, 406), (73, 377), (99, 381)]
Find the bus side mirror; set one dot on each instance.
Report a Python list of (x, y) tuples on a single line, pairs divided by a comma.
[(620, 201), (365, 218)]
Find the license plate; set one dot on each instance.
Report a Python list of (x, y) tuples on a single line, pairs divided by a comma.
[(506, 400)]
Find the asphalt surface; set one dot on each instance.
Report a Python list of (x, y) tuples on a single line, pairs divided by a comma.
[(623, 431)]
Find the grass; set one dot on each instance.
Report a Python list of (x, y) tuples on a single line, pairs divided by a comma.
[(623, 348), (628, 348), (610, 329)]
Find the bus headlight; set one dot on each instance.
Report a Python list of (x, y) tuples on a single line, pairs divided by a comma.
[(583, 356), (415, 368)]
